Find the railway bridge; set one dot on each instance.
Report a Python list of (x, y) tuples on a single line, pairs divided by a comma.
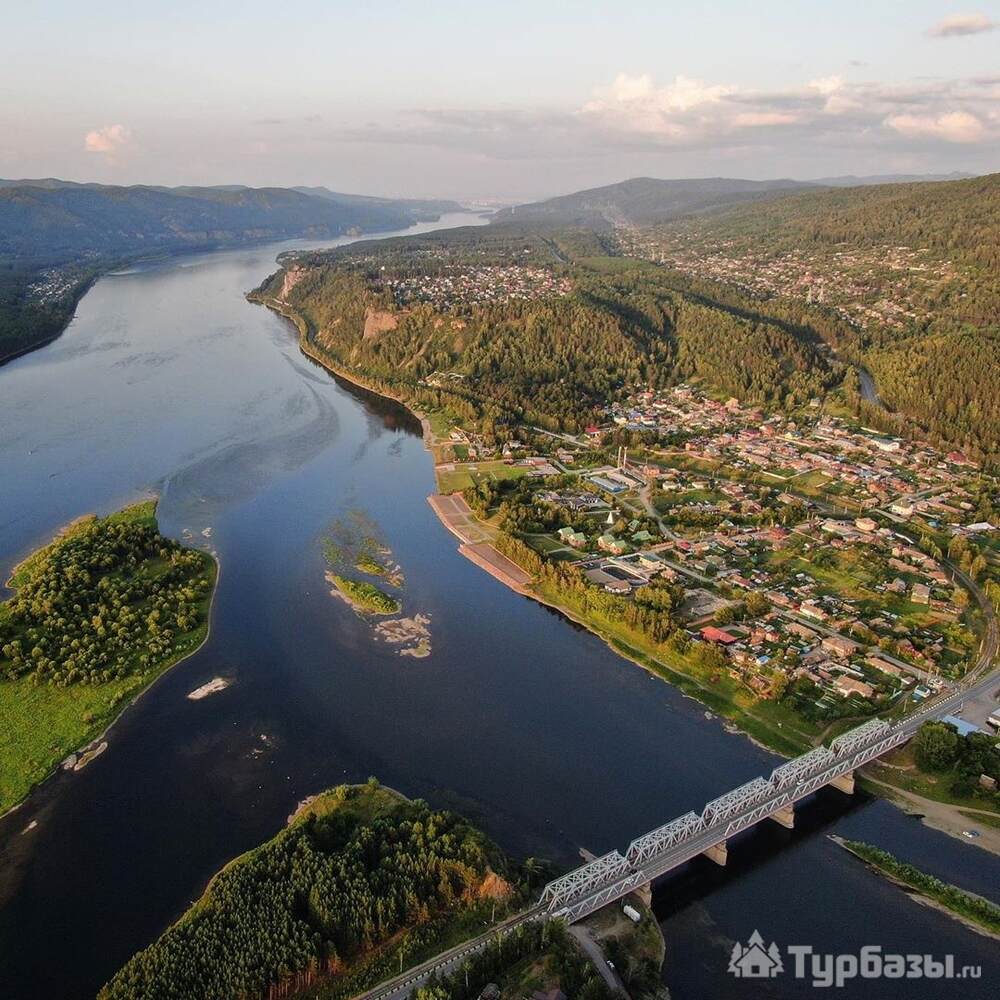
[(606, 879)]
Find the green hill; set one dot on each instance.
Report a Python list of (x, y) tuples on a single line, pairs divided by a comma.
[(645, 199)]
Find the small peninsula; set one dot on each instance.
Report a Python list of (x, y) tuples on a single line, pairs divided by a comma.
[(97, 615), (972, 910)]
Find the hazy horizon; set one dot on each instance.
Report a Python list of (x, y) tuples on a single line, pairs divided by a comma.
[(515, 104)]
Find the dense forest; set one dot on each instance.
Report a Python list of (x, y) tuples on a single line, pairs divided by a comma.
[(960, 219), (357, 867), (930, 338), (29, 318), (110, 598)]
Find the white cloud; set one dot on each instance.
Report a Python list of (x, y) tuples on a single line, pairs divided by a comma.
[(763, 119), (690, 112), (955, 25), (838, 100), (826, 85), (637, 104), (108, 140), (954, 126), (635, 115)]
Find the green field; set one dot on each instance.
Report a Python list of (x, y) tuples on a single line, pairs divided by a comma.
[(44, 723), (463, 476), (545, 544)]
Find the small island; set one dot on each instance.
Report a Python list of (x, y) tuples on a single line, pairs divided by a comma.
[(97, 616), (364, 596)]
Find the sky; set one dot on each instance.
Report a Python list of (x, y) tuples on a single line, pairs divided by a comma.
[(505, 101)]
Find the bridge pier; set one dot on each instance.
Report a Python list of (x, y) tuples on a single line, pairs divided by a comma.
[(844, 783), (717, 853), (785, 816)]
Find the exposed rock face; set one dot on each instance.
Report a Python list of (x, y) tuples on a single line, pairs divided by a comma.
[(379, 321), (494, 886), (292, 277)]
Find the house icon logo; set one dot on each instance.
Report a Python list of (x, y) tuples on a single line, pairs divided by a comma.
[(754, 961)]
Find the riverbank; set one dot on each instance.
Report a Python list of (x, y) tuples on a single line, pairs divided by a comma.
[(321, 358), (763, 723), (476, 545), (91, 271), (973, 911), (50, 726), (974, 827)]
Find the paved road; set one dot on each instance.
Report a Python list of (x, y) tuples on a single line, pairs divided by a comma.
[(978, 708), (596, 955)]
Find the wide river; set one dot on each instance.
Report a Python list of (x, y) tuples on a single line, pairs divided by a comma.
[(169, 382)]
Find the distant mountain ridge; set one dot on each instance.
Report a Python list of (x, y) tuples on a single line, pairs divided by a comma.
[(647, 199), (852, 180), (423, 208), (49, 221)]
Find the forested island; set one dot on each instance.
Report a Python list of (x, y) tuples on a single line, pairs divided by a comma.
[(363, 595), (361, 881), (96, 616)]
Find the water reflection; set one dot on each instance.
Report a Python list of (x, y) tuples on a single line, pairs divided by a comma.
[(535, 730)]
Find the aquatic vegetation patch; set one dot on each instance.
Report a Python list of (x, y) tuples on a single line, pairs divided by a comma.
[(354, 541), (352, 545)]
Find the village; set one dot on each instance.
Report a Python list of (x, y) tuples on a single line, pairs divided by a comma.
[(464, 285), (813, 556), (861, 284)]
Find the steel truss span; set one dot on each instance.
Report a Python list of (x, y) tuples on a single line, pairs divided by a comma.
[(606, 879), (614, 875)]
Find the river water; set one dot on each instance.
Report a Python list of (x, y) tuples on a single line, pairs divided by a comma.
[(169, 382)]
